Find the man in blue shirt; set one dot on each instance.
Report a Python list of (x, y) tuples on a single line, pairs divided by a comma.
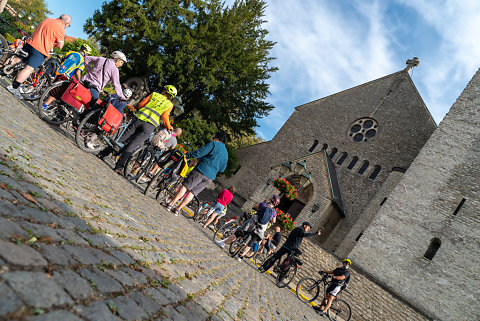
[(212, 159)]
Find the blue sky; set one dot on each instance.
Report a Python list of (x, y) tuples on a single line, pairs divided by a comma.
[(327, 46)]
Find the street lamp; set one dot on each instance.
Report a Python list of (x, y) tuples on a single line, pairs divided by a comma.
[(300, 167), (285, 169), (315, 208), (305, 179)]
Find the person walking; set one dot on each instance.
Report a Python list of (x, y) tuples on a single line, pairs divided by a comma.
[(49, 33)]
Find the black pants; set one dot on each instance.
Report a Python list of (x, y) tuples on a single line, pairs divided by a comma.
[(137, 133), (277, 256)]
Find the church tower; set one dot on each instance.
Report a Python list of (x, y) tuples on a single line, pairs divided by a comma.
[(424, 243)]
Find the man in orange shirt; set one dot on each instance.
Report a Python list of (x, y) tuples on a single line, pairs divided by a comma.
[(50, 33)]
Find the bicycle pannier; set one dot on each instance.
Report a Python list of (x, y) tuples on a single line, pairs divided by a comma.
[(76, 94), (110, 120)]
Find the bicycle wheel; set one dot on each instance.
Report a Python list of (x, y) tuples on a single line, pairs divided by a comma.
[(89, 137), (33, 88), (237, 246), (57, 112), (3, 49), (154, 184), (191, 209), (137, 163), (224, 231), (286, 276), (170, 187), (340, 310), (307, 289)]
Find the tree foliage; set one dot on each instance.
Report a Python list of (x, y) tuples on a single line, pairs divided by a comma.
[(75, 46), (217, 56), (36, 9)]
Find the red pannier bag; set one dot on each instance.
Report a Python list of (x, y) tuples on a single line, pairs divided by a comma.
[(76, 94), (111, 120)]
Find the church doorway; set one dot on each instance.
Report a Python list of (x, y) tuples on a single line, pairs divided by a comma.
[(292, 207)]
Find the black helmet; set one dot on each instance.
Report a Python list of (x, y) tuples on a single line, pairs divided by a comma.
[(307, 224), (275, 199), (221, 137)]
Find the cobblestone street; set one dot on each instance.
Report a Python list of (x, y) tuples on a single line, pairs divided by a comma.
[(78, 242)]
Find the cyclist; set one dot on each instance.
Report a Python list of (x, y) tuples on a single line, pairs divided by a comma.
[(153, 110), (217, 210), (212, 159), (293, 242), (49, 33), (256, 225), (101, 71), (340, 280), (72, 66)]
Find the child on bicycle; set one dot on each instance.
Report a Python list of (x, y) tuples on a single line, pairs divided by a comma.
[(218, 208), (271, 242), (340, 279)]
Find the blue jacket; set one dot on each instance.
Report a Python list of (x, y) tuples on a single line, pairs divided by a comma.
[(212, 158)]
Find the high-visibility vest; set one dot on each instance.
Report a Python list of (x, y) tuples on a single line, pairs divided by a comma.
[(153, 110)]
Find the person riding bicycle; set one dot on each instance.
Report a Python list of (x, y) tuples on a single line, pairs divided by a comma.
[(152, 111), (256, 225), (340, 280), (293, 242), (72, 66), (101, 71), (212, 159), (49, 33), (217, 210)]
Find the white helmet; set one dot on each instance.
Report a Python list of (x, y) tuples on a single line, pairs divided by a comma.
[(127, 92), (120, 55)]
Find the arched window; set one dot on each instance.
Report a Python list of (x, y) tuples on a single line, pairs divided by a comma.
[(315, 143), (324, 147), (364, 167), (342, 158), (432, 249), (353, 162), (333, 153), (375, 172)]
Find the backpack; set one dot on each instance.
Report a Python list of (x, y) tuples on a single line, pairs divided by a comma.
[(265, 215), (160, 138)]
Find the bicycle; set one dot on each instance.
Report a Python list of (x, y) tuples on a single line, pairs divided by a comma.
[(308, 290), (287, 269), (42, 78), (206, 211), (240, 244), (229, 227)]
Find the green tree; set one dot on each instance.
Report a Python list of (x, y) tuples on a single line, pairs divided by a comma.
[(35, 9), (217, 56), (75, 46)]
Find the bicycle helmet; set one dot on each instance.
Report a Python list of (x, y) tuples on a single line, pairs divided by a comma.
[(348, 261), (119, 55), (127, 92), (307, 224), (171, 90), (86, 49), (221, 137), (275, 199)]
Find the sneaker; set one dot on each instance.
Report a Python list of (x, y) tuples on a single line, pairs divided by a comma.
[(318, 310), (239, 258), (90, 145), (261, 270), (15, 92), (220, 243), (45, 106)]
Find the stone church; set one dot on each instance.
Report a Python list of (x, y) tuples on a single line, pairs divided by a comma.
[(353, 147)]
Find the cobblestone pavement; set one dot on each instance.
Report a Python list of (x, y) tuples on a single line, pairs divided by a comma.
[(78, 242)]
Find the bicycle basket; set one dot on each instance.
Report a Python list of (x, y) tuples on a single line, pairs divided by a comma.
[(111, 119), (76, 94)]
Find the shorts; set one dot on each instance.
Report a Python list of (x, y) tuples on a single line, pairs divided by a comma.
[(334, 289), (35, 58), (217, 207), (196, 182)]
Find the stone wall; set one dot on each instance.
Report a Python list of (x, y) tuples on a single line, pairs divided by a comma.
[(436, 202), (369, 301)]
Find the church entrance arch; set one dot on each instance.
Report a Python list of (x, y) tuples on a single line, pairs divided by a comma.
[(305, 195)]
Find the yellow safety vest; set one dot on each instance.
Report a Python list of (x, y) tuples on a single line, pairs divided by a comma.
[(153, 110)]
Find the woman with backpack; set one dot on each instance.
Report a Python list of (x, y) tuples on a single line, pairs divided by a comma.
[(256, 225)]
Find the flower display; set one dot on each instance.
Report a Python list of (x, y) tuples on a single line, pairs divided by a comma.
[(284, 220), (286, 188), (181, 148)]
